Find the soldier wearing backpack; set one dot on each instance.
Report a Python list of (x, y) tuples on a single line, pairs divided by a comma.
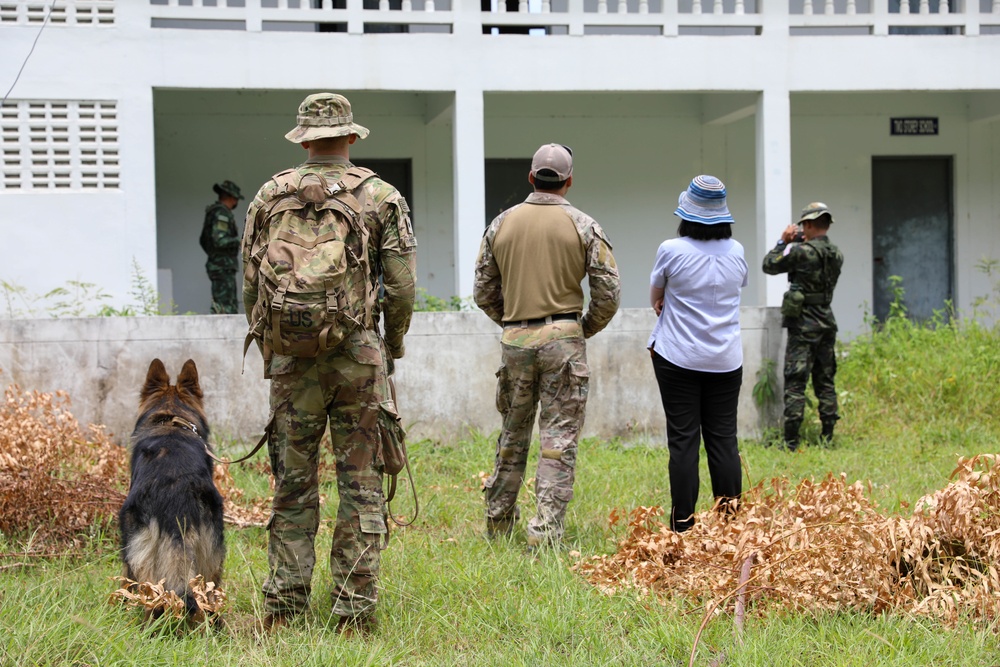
[(221, 242), (320, 241)]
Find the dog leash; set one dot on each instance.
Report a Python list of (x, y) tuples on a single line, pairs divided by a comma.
[(184, 423)]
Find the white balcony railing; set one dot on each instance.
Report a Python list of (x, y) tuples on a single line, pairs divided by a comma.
[(531, 17), (65, 12)]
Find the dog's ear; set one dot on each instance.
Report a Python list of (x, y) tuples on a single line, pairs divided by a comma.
[(156, 380), (187, 381)]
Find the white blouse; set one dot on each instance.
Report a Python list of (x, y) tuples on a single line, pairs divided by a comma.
[(699, 326)]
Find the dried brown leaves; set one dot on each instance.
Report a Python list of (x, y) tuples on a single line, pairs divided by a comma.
[(948, 553), (153, 597), (56, 480), (59, 482), (822, 546), (237, 510)]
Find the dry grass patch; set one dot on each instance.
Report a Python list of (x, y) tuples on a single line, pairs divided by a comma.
[(822, 546), (57, 480), (60, 482)]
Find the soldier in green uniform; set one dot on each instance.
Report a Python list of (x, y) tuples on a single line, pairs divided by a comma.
[(343, 387), (813, 266), (528, 280), (221, 242)]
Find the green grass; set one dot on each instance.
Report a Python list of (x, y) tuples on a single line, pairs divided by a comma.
[(448, 596)]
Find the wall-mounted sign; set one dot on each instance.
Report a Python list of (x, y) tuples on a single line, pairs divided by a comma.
[(913, 126)]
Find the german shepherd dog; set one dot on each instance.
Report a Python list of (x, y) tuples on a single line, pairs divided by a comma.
[(171, 521)]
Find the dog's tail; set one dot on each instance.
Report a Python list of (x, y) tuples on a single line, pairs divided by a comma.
[(151, 554)]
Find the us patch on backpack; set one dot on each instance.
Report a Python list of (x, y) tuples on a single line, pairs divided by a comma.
[(312, 266)]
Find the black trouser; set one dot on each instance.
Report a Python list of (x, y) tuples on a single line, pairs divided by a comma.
[(699, 405)]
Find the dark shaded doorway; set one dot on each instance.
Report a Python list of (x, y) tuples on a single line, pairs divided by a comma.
[(506, 184), (912, 233)]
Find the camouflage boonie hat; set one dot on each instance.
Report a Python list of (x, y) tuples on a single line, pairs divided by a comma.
[(814, 210), (325, 115), (228, 188)]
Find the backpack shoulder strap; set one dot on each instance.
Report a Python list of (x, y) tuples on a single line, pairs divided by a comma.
[(355, 176), (287, 182), (344, 191), (348, 184)]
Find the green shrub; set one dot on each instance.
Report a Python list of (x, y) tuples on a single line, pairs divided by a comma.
[(82, 299), (934, 381), (425, 302)]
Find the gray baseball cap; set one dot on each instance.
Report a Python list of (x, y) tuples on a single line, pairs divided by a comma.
[(554, 157)]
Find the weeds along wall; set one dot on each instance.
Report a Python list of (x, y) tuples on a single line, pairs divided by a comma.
[(446, 383)]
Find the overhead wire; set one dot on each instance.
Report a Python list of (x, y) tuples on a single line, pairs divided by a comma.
[(45, 22)]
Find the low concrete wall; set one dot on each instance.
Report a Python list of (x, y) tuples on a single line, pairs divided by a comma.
[(445, 384)]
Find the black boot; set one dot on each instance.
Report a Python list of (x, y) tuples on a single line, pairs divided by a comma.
[(827, 435), (792, 435)]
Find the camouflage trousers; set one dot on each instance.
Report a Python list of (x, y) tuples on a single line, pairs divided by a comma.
[(338, 389), (808, 354), (223, 292), (554, 374)]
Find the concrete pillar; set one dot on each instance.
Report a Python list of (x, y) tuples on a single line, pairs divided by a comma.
[(470, 185), (355, 17), (774, 180), (138, 181), (255, 22)]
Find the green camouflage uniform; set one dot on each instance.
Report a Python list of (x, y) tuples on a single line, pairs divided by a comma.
[(544, 364), (813, 268), (345, 387), (223, 256)]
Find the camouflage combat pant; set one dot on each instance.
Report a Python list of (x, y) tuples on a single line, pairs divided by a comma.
[(556, 375), (223, 292), (338, 388), (810, 353)]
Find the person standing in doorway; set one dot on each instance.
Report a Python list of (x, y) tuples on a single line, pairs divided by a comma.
[(347, 234), (221, 242), (696, 346), (813, 265), (531, 263)]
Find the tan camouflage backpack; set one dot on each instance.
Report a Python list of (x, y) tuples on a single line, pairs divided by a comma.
[(310, 262)]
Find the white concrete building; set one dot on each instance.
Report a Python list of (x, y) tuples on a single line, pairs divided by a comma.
[(127, 111)]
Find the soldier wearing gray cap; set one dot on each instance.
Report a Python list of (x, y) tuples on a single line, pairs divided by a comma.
[(813, 265), (528, 280), (343, 384)]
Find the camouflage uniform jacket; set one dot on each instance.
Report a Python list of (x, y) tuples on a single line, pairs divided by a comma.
[(391, 253), (813, 267), (602, 272), (223, 241)]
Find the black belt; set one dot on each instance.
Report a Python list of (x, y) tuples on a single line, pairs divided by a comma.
[(542, 320), (816, 299)]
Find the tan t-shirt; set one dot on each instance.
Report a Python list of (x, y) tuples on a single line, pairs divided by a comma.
[(542, 261)]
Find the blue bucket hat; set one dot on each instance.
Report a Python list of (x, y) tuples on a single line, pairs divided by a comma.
[(704, 201)]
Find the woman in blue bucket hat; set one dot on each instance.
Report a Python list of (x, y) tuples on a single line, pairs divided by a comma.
[(695, 346)]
